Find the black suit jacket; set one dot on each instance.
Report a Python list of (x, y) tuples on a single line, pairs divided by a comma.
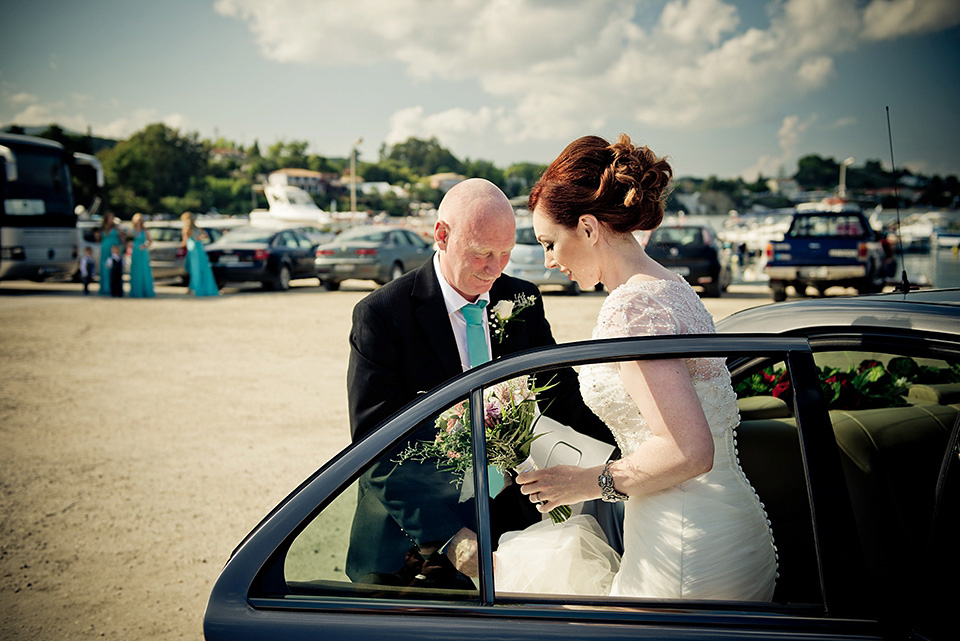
[(401, 345)]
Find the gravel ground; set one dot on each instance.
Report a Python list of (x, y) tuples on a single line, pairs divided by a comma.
[(142, 439)]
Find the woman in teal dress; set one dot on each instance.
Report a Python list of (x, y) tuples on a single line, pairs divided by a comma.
[(196, 262), (141, 276), (109, 235)]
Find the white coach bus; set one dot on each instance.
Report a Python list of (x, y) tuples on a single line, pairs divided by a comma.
[(38, 224)]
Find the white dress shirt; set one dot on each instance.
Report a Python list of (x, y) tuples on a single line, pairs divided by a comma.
[(454, 302)]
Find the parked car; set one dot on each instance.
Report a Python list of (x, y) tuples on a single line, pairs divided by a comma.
[(863, 499), (694, 252), (166, 254), (273, 257), (526, 262), (379, 254)]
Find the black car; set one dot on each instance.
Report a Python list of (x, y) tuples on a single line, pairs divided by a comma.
[(273, 257), (848, 433), (694, 252)]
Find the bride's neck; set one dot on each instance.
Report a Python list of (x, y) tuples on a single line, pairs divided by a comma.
[(622, 258)]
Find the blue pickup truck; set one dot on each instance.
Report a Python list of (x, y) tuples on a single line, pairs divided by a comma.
[(829, 244)]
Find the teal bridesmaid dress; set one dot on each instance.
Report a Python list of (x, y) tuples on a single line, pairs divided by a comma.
[(202, 281), (141, 277), (106, 245)]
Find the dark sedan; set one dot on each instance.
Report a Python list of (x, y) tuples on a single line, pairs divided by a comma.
[(380, 254), (694, 252), (849, 435), (272, 257)]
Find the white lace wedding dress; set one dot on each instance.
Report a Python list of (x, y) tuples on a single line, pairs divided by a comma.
[(707, 538)]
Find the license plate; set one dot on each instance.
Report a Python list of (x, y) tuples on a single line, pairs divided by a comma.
[(343, 268), (682, 270), (229, 259)]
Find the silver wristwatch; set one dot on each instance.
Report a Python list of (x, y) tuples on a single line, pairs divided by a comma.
[(607, 492)]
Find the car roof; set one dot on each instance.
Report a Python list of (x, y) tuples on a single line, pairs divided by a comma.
[(934, 310)]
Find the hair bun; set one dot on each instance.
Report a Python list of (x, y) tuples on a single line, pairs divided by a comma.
[(638, 171)]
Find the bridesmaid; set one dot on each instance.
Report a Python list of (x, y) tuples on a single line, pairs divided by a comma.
[(109, 235), (141, 277), (198, 267)]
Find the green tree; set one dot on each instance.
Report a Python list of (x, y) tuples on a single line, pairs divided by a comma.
[(425, 157), (484, 169), (155, 163), (816, 172)]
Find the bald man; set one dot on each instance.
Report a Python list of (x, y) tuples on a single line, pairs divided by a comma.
[(410, 336)]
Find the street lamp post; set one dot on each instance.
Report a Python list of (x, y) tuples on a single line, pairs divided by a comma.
[(842, 191), (353, 175)]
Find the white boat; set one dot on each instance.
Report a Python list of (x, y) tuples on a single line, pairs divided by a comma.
[(289, 204)]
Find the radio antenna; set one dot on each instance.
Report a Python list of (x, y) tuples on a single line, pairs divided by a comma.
[(904, 284)]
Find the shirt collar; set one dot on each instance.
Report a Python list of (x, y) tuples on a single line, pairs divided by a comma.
[(451, 298)]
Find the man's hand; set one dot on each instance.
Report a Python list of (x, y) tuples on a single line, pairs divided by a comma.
[(462, 552)]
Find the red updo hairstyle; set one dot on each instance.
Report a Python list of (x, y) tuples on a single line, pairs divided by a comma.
[(623, 186)]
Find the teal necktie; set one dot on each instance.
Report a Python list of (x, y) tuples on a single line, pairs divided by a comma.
[(476, 336)]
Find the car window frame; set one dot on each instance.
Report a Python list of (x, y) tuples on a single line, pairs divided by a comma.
[(829, 509)]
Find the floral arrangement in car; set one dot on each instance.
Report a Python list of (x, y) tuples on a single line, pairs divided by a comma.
[(509, 418), (868, 385)]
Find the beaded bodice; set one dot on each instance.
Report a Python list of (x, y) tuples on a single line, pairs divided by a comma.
[(646, 308)]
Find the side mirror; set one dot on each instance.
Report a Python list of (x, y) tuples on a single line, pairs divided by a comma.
[(10, 163)]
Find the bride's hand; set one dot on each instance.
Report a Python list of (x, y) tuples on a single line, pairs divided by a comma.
[(560, 485)]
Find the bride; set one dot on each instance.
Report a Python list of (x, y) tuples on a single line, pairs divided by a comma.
[(693, 525)]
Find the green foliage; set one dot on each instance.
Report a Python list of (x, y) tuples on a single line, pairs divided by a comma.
[(424, 157), (155, 163), (866, 386)]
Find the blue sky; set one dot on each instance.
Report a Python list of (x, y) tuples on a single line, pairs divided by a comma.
[(724, 88)]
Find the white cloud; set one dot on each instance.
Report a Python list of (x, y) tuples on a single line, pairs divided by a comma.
[(556, 69), (23, 98), (792, 129), (885, 19), (34, 113), (693, 21)]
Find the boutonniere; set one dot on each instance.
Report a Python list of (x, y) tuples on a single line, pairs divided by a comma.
[(505, 311)]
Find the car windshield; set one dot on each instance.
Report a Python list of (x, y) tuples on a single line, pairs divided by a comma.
[(526, 236), (690, 236), (248, 235), (364, 235), (165, 234)]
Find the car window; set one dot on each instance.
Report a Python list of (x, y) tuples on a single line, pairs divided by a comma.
[(304, 242), (363, 235), (355, 545), (415, 240), (400, 238), (815, 226), (386, 535), (166, 234), (289, 239), (526, 236), (891, 411)]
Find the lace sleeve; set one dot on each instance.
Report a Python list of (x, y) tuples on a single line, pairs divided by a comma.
[(635, 313)]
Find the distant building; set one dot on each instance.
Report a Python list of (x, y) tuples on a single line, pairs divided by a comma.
[(444, 181), (786, 187), (312, 182), (222, 154)]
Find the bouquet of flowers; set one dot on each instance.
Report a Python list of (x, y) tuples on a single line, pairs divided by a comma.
[(509, 416)]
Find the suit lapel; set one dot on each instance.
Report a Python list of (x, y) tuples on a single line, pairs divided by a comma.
[(431, 315)]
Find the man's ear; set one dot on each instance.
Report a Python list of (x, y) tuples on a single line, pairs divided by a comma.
[(441, 234)]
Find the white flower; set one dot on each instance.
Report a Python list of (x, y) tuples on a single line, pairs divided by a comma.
[(503, 309)]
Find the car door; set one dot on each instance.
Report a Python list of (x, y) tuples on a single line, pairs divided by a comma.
[(304, 265), (296, 575)]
